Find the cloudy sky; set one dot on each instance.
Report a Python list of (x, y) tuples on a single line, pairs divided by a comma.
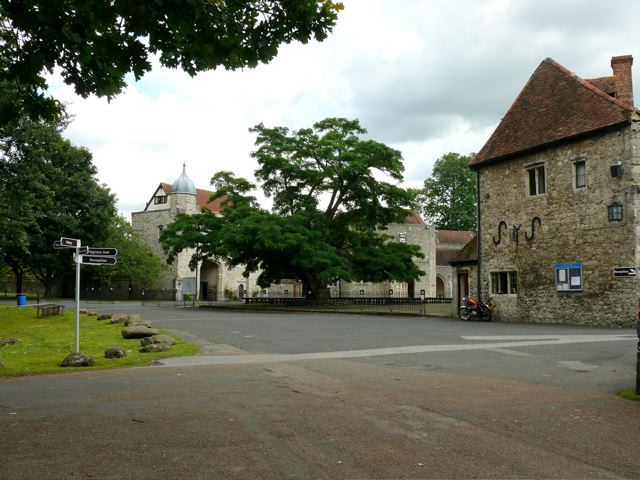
[(424, 76)]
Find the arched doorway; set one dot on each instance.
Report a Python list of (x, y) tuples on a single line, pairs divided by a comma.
[(209, 280), (439, 287)]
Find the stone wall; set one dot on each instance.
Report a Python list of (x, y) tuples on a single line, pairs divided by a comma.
[(416, 234), (446, 275), (573, 228), (471, 272), (148, 224)]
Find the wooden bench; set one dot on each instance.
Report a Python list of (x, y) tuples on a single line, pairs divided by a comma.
[(49, 310)]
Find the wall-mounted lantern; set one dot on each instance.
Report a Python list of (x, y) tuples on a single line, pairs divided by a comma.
[(615, 212)]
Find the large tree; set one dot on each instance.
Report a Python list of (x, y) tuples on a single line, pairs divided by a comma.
[(136, 262), (48, 189), (96, 43), (334, 192), (448, 197)]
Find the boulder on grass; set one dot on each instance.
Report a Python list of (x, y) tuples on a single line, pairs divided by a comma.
[(9, 341), (138, 331), (92, 313), (118, 318), (134, 319), (114, 352), (78, 359), (155, 347), (104, 316), (168, 339)]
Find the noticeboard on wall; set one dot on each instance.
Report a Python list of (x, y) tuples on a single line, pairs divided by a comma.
[(568, 277)]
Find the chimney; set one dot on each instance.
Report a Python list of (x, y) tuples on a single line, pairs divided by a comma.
[(622, 76)]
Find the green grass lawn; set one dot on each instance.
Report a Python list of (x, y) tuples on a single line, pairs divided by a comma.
[(45, 342), (629, 394)]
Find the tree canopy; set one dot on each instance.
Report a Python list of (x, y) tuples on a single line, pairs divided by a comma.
[(136, 262), (96, 43), (334, 192), (448, 197), (48, 189)]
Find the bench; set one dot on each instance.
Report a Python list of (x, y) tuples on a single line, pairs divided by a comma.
[(49, 310)]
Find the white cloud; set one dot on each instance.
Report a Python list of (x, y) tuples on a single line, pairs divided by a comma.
[(424, 77)]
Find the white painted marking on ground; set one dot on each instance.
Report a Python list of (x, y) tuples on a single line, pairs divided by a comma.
[(272, 358), (515, 353)]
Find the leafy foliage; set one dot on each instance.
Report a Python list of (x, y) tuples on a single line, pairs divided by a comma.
[(136, 262), (96, 43), (448, 198), (47, 189), (329, 207)]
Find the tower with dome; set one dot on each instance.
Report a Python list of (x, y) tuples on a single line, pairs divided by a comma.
[(209, 280)]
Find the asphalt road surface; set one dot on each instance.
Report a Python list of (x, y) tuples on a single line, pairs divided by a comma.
[(336, 396)]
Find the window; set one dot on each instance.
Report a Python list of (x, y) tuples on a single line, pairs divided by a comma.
[(402, 237), (159, 199), (536, 179), (580, 169), (503, 283), (568, 277), (160, 230), (614, 212)]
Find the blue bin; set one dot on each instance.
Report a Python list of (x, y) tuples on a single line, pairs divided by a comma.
[(22, 300)]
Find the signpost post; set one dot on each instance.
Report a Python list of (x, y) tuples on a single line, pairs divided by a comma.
[(86, 256)]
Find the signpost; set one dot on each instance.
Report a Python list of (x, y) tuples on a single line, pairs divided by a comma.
[(85, 256), (97, 260), (101, 251), (620, 272)]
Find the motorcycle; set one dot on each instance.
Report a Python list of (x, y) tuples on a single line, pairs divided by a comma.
[(473, 308)]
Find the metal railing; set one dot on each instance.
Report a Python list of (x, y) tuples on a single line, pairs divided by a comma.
[(359, 303)]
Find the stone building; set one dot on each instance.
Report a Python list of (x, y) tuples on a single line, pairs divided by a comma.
[(464, 276), (558, 192), (210, 280), (448, 244), (413, 231), (216, 282)]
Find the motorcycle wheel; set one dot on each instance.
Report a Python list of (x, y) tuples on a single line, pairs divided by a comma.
[(464, 313), (486, 315)]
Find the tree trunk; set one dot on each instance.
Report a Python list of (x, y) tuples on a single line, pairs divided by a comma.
[(48, 282), (19, 274), (313, 288)]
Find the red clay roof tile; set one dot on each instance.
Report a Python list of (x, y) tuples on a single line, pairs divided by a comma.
[(202, 198), (553, 106)]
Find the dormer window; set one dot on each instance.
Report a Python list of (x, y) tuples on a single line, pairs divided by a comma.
[(159, 199)]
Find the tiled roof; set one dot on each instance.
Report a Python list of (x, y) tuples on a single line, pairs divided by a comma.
[(468, 254), (454, 236), (555, 105), (443, 255), (414, 218), (202, 198), (606, 84)]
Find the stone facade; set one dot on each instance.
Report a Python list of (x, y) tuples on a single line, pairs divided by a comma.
[(413, 233), (211, 280), (448, 245), (217, 282), (573, 229), (549, 235)]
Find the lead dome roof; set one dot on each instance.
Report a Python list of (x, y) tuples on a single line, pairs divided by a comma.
[(183, 183)]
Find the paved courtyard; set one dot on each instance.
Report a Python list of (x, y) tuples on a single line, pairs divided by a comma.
[(336, 396)]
